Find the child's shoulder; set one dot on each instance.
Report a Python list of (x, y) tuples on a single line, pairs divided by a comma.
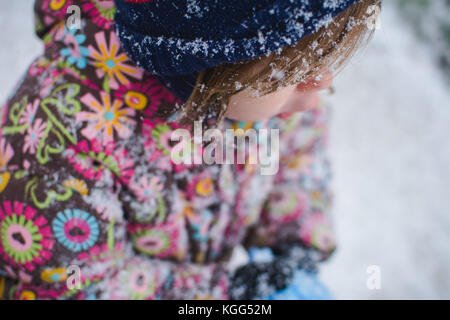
[(55, 109)]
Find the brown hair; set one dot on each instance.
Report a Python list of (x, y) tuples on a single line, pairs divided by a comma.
[(326, 49)]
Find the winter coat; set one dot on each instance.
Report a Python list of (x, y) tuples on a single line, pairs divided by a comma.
[(92, 205)]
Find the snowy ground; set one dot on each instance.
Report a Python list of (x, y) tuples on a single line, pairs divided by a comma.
[(391, 158)]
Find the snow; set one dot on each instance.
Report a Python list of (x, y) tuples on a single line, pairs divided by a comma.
[(19, 46), (390, 154)]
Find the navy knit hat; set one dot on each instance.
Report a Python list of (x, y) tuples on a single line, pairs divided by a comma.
[(175, 39)]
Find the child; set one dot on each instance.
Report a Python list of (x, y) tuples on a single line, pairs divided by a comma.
[(92, 203)]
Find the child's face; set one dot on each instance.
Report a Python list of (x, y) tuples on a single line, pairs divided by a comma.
[(244, 106)]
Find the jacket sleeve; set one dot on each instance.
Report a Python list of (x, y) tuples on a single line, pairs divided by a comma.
[(59, 207), (51, 226), (63, 227), (294, 224), (296, 210)]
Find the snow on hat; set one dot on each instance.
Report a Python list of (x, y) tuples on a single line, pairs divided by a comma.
[(175, 39)]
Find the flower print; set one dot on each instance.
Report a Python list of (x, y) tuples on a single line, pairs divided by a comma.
[(4, 180), (94, 159), (242, 125), (55, 33), (26, 239), (189, 276), (201, 225), (56, 9), (147, 188), (219, 291), (75, 229), (38, 67), (316, 231), (26, 164), (248, 211), (48, 83), (158, 133), (105, 204), (111, 63), (320, 199), (249, 204), (227, 187), (105, 118), (29, 292), (6, 153), (34, 135), (296, 164), (97, 260), (52, 275), (149, 203), (29, 113), (158, 241), (138, 280), (26, 295), (204, 187), (77, 185), (218, 229), (75, 52), (109, 212), (101, 12), (161, 133), (91, 159), (201, 190), (286, 204), (125, 165), (100, 252), (201, 185), (161, 162), (142, 95)]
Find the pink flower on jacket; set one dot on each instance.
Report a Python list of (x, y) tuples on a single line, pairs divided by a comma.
[(138, 280), (316, 231), (110, 62), (29, 113), (125, 165), (27, 239), (57, 9), (91, 159), (34, 135), (105, 118), (101, 12), (6, 153), (159, 240), (48, 83), (145, 96), (285, 205), (29, 292), (201, 185), (201, 191), (190, 276), (147, 188)]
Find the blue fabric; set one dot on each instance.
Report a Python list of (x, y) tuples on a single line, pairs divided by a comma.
[(304, 286), (178, 38), (260, 254)]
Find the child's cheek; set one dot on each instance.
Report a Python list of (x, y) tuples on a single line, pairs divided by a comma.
[(246, 108)]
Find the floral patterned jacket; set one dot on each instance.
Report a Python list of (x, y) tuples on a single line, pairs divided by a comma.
[(87, 184)]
